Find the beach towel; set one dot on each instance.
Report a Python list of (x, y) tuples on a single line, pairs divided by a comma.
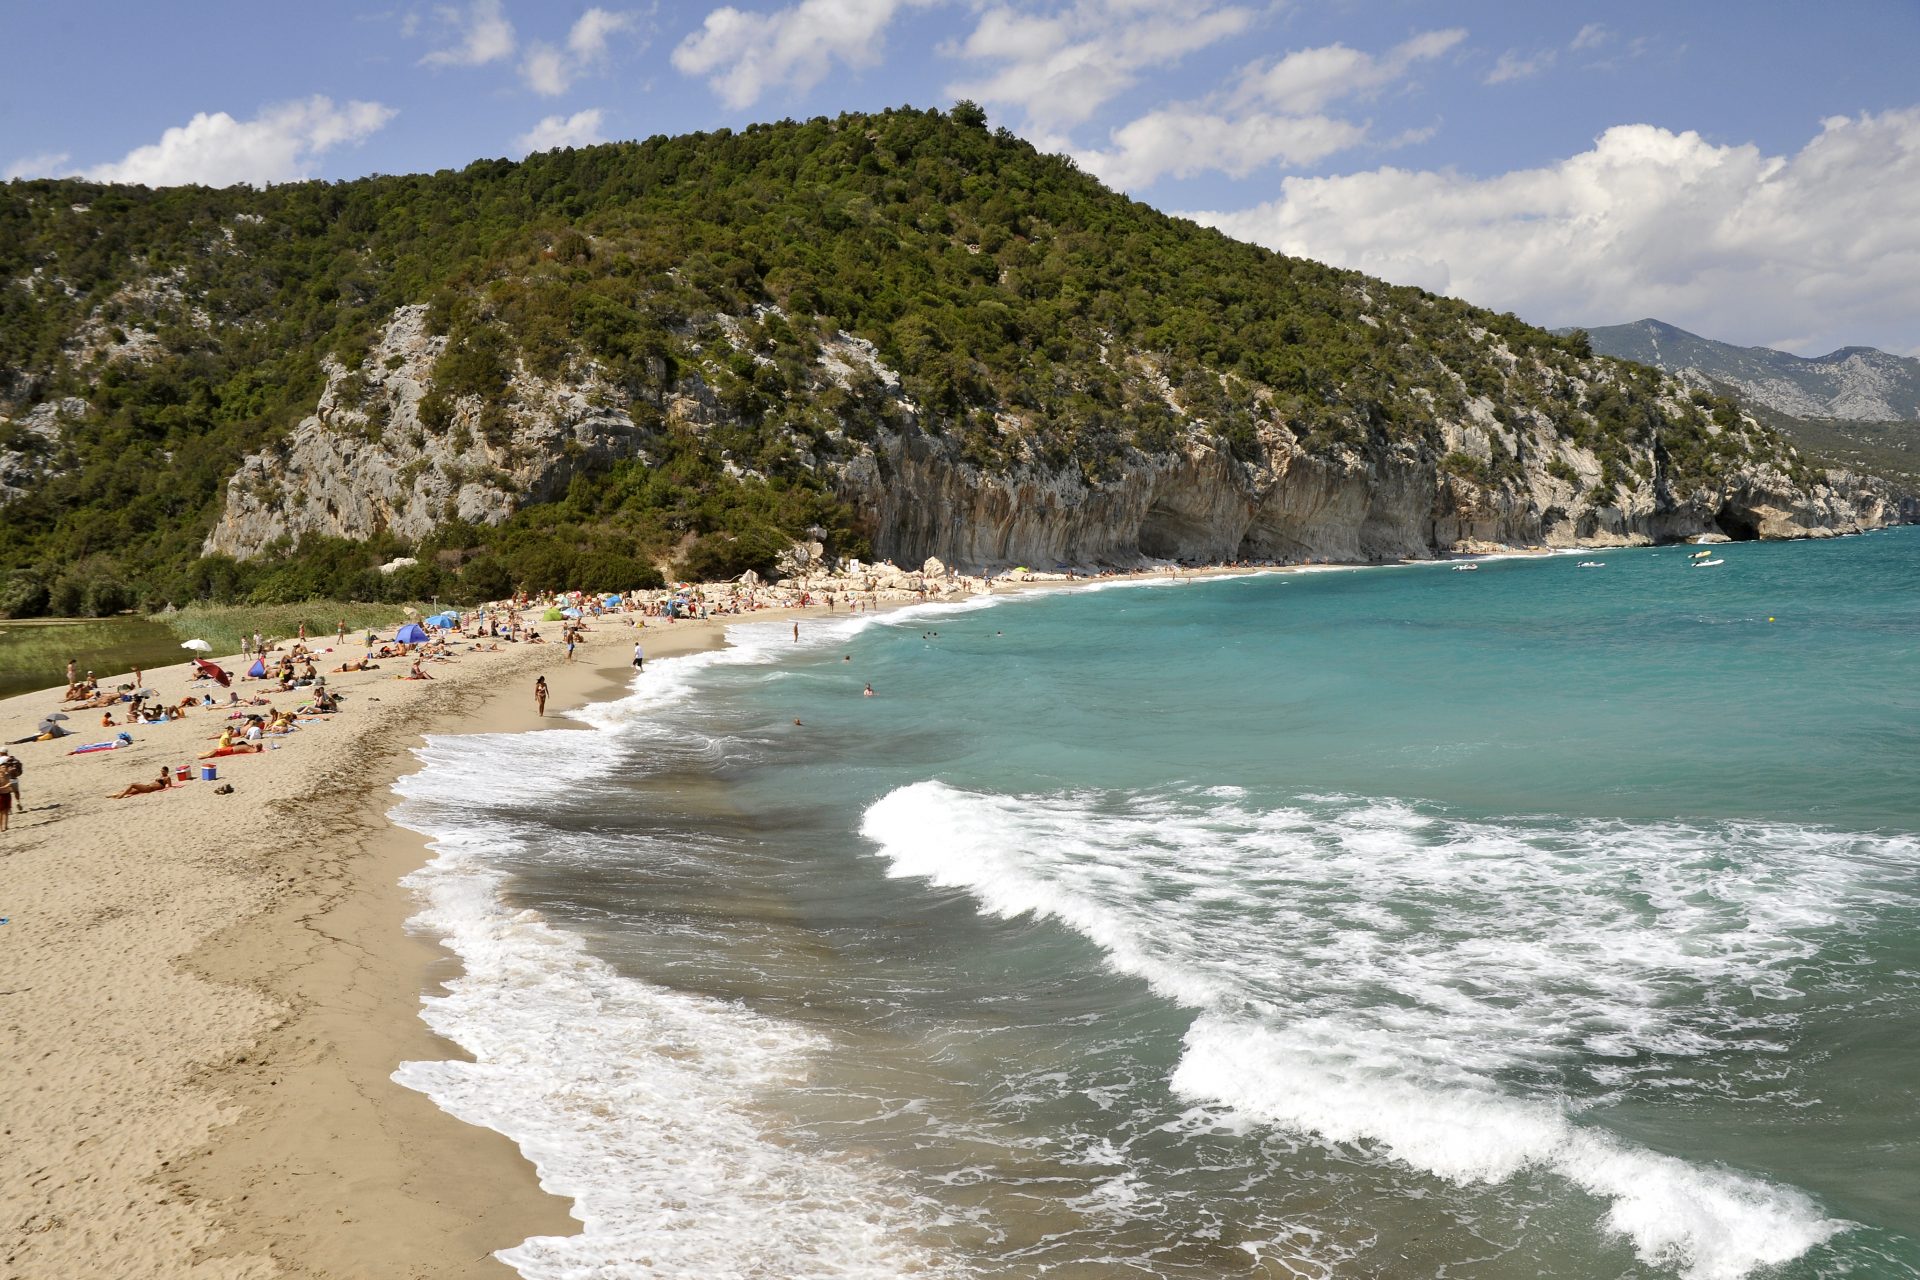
[(122, 741)]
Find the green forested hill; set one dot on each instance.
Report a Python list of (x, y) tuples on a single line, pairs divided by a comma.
[(1036, 319)]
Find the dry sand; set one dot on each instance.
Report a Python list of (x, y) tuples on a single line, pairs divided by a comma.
[(204, 996)]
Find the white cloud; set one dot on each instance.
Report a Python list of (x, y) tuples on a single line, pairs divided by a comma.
[(1513, 65), (1183, 142), (551, 70), (1273, 116), (1591, 36), (1059, 68), (48, 164), (546, 70), (281, 144), (1724, 240), (1309, 79), (745, 55), (483, 35), (588, 39), (581, 129)]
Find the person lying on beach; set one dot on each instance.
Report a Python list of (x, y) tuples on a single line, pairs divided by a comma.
[(144, 788), (229, 747), (362, 665)]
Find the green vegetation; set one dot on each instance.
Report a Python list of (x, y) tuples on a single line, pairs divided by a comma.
[(1036, 319), (222, 626)]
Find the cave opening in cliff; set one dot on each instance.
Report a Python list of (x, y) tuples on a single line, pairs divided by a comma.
[(1736, 525), (1168, 534)]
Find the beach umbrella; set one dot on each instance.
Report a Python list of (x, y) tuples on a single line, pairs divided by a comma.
[(55, 715), (410, 611), (213, 672), (569, 613), (410, 634), (198, 646)]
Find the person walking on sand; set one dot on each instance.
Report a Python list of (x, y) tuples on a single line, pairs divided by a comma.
[(639, 657), (540, 695), (73, 671), (570, 643), (341, 639)]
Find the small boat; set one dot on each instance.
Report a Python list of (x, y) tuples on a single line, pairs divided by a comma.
[(1707, 564), (1465, 568), (1700, 555), (1593, 564)]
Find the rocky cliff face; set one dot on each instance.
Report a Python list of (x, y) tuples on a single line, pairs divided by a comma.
[(366, 460), (1199, 505), (30, 444)]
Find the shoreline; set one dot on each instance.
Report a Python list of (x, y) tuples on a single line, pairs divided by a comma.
[(213, 1095), (207, 995)]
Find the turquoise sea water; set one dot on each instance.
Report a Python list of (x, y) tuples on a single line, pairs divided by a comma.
[(1541, 920)]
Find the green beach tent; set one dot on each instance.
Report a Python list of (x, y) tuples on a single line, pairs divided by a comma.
[(552, 615)]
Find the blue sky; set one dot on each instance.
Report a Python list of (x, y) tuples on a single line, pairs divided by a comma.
[(1750, 171)]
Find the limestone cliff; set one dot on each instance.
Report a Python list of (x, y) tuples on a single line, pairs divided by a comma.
[(367, 460)]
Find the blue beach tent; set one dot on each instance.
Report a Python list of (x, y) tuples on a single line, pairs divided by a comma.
[(443, 620), (410, 634)]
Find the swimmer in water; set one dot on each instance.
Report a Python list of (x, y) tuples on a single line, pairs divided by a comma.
[(868, 692)]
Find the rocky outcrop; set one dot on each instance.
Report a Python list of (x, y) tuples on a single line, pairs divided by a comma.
[(366, 461), (30, 444)]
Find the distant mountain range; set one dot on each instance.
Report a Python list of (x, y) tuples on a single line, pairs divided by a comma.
[(1853, 384), (1857, 407)]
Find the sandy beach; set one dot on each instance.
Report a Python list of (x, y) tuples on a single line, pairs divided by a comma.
[(206, 995)]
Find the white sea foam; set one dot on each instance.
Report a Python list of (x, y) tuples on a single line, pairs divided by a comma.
[(1369, 973), (635, 1102)]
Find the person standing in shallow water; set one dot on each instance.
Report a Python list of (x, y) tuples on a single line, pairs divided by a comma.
[(540, 695)]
